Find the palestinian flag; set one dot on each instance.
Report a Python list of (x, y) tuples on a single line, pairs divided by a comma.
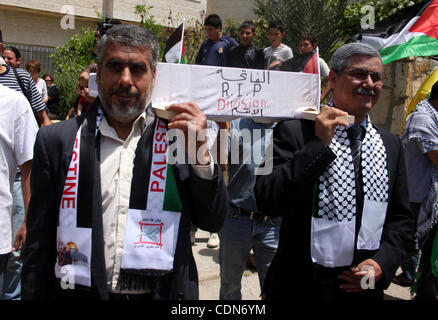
[(413, 32), (174, 52)]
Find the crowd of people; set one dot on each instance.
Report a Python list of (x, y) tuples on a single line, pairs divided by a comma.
[(346, 204)]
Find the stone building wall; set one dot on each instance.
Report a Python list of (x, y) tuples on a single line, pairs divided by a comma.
[(37, 28), (238, 10), (38, 22), (402, 79), (190, 10)]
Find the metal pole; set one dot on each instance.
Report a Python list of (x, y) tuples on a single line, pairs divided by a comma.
[(108, 8)]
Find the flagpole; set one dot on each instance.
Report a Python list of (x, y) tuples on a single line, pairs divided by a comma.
[(182, 41), (319, 78)]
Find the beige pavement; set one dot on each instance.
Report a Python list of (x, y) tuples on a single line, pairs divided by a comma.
[(207, 261)]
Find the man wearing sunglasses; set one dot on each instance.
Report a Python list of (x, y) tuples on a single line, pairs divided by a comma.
[(343, 193)]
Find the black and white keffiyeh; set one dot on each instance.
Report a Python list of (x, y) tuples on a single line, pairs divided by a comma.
[(337, 185), (334, 222)]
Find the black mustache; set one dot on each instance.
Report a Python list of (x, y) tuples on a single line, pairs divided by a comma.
[(368, 92), (124, 91)]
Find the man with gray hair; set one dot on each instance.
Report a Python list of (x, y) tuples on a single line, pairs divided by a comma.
[(110, 216), (342, 191)]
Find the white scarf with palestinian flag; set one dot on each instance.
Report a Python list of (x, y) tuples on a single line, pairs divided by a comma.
[(153, 216)]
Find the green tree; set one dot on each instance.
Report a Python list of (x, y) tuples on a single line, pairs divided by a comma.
[(69, 60), (323, 18), (382, 10), (147, 20)]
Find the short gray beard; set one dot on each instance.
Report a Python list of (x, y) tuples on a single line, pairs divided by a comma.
[(124, 114)]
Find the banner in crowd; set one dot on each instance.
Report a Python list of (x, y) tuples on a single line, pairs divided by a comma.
[(227, 93)]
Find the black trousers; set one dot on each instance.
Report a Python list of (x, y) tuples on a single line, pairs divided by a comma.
[(130, 297), (325, 287), (428, 288)]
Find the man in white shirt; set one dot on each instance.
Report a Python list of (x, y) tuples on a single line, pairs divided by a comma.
[(18, 130), (278, 51), (110, 215), (20, 80)]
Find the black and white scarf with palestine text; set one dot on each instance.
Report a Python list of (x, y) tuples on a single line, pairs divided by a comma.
[(153, 216), (334, 215)]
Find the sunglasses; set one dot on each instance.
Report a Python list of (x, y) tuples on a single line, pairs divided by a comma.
[(362, 75)]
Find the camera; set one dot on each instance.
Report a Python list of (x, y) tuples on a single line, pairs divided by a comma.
[(103, 27)]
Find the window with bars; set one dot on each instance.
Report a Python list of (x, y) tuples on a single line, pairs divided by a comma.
[(30, 52)]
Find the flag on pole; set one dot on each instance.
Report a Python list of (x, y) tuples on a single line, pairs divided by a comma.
[(412, 33), (174, 52)]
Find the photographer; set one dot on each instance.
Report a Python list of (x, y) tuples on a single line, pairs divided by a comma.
[(102, 28)]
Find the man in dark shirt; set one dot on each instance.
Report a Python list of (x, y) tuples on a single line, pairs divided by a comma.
[(246, 55), (214, 50)]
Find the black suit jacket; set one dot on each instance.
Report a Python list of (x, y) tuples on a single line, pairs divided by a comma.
[(203, 202), (299, 160)]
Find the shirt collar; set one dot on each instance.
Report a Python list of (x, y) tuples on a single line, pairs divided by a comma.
[(139, 126), (364, 122)]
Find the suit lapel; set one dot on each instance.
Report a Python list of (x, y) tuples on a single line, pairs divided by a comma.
[(98, 269), (92, 200)]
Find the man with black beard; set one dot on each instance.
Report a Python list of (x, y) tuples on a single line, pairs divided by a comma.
[(104, 187)]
